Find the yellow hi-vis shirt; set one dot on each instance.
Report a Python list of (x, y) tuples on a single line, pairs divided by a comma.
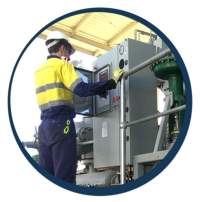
[(55, 81)]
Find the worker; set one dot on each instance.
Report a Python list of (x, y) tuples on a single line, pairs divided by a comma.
[(56, 81)]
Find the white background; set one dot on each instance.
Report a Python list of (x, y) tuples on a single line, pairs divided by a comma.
[(20, 20)]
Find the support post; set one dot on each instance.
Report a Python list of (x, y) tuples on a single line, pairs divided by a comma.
[(122, 134), (161, 132)]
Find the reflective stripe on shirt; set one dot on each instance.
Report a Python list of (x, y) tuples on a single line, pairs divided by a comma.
[(74, 84), (55, 103), (50, 86)]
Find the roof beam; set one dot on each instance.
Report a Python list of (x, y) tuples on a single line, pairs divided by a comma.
[(124, 31), (83, 50), (82, 23), (76, 37), (97, 52), (42, 36)]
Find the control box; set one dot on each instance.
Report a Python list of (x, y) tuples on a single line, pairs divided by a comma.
[(141, 101), (102, 104)]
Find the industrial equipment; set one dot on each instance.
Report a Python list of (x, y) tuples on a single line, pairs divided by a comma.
[(119, 139)]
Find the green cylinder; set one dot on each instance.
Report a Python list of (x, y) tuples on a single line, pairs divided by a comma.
[(176, 86), (36, 158), (168, 69)]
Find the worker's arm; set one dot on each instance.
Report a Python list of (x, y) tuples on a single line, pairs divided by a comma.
[(88, 89), (76, 85), (111, 84)]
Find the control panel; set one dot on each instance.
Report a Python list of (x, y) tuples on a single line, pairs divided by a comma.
[(102, 104)]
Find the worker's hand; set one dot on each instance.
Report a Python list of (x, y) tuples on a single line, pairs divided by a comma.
[(117, 75)]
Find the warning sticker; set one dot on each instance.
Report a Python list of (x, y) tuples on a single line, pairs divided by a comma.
[(104, 129)]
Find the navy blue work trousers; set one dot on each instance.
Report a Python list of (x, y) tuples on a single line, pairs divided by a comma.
[(57, 148)]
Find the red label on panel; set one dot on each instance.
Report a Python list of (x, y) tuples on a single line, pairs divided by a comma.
[(95, 66), (115, 99)]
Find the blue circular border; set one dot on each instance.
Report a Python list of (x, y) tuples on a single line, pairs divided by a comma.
[(162, 165)]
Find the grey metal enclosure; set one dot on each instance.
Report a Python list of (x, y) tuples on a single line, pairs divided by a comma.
[(141, 101)]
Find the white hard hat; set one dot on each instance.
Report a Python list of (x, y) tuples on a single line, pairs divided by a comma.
[(57, 35)]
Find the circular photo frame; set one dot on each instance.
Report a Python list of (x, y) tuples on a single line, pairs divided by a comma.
[(171, 154)]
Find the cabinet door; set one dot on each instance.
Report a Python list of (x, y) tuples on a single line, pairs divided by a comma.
[(84, 105), (101, 104)]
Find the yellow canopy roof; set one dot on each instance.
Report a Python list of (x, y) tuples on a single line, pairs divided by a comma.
[(98, 32)]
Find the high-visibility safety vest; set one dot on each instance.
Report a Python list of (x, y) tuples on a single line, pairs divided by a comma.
[(55, 81)]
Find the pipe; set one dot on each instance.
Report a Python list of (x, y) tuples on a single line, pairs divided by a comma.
[(148, 118), (85, 143), (147, 62), (122, 110), (184, 93), (122, 144), (147, 34), (161, 81), (32, 144), (135, 34), (139, 36)]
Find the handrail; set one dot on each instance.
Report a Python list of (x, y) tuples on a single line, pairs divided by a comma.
[(148, 118), (147, 63), (122, 110), (84, 143)]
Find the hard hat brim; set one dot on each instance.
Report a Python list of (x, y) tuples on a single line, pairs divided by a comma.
[(59, 35), (73, 50)]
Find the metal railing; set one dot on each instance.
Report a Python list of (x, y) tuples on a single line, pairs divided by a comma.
[(123, 124)]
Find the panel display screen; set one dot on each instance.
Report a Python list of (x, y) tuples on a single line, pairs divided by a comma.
[(103, 76), (83, 105)]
